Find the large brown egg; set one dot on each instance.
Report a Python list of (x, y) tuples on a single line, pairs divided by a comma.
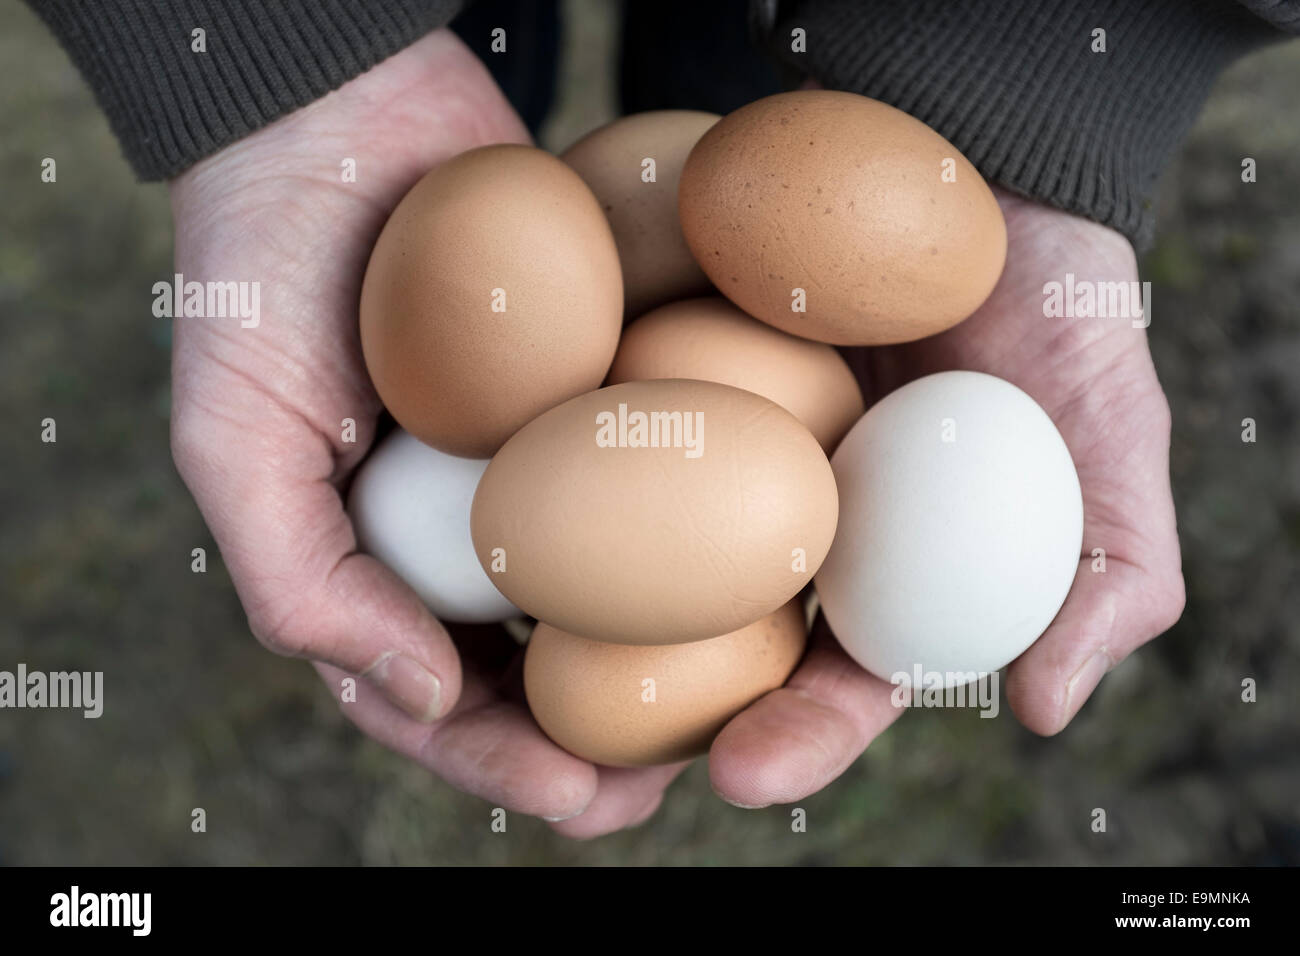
[(633, 166), (626, 706), (493, 294), (656, 512), (841, 219), (711, 339)]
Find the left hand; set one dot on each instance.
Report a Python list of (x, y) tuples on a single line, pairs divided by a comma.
[(1095, 378)]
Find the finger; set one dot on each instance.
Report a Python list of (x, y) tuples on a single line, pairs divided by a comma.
[(486, 747), (261, 476), (796, 740), (1105, 617), (624, 797), (1129, 512)]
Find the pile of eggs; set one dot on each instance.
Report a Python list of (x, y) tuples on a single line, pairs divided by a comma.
[(660, 496)]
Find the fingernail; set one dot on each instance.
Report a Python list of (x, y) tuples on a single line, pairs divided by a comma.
[(739, 805), (1084, 682), (569, 816), (407, 684)]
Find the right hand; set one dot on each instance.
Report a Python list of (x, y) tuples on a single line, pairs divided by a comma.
[(257, 431)]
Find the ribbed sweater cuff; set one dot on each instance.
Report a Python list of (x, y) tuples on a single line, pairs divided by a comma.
[(1016, 85), (170, 106)]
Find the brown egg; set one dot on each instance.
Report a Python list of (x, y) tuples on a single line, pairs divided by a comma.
[(492, 294), (713, 340), (625, 706), (657, 266), (839, 204), (582, 523)]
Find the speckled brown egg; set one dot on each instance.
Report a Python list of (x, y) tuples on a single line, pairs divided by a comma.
[(625, 706), (493, 294), (713, 340), (656, 512), (835, 217), (613, 160)]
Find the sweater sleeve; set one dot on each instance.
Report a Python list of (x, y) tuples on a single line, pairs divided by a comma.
[(1076, 103), (174, 95)]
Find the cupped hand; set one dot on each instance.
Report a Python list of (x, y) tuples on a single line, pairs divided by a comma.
[(1095, 378), (259, 435)]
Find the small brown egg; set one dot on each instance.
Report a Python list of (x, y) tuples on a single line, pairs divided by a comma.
[(713, 340), (656, 512), (616, 162), (838, 218), (493, 294), (624, 706)]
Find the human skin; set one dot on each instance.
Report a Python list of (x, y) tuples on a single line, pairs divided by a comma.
[(257, 437), (1096, 380)]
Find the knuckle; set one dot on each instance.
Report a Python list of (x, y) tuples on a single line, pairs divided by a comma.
[(187, 443), (278, 631), (1162, 416), (1169, 601)]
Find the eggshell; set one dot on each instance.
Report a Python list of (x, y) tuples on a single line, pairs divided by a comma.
[(409, 505), (649, 545), (497, 226), (844, 198), (657, 266), (951, 555), (625, 706), (713, 340)]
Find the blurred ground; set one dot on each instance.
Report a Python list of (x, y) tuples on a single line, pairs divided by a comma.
[(97, 531)]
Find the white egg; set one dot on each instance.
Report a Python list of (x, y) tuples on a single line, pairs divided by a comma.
[(410, 507), (961, 523)]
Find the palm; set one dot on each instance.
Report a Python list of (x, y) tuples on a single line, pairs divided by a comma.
[(1095, 378), (259, 436), (272, 208)]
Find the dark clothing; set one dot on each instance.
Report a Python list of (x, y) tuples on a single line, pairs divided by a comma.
[(1022, 87), (1017, 87)]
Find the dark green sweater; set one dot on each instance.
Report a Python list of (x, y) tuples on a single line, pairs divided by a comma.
[(1022, 87)]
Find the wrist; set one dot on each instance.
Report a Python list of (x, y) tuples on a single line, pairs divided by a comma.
[(371, 139), (1029, 90), (179, 82)]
